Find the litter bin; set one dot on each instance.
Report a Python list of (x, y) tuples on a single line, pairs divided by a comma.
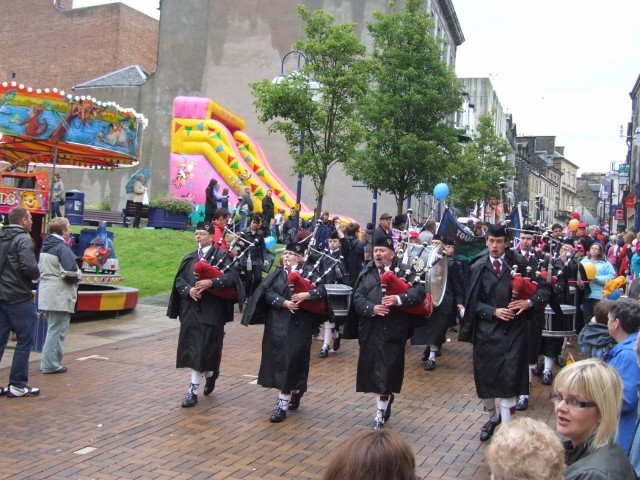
[(74, 207)]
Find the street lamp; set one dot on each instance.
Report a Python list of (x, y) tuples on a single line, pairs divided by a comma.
[(314, 86)]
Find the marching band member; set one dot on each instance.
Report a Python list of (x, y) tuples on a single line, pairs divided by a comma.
[(202, 314), (337, 272), (288, 326), (382, 330), (496, 325), (255, 259)]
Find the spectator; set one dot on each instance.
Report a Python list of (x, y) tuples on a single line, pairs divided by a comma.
[(57, 293), (383, 230), (367, 240), (428, 230), (224, 203), (18, 270), (604, 273), (268, 210), (58, 196), (245, 206), (525, 449), (594, 339), (211, 200), (624, 320), (587, 397), (634, 454), (373, 455), (139, 191), (276, 228)]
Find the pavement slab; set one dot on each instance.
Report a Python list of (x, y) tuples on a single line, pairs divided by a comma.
[(117, 412)]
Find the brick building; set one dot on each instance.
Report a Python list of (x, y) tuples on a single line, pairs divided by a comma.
[(46, 43)]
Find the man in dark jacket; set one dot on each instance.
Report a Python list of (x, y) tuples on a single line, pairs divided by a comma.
[(202, 314), (268, 210), (18, 270), (383, 229), (497, 327), (211, 200), (382, 329)]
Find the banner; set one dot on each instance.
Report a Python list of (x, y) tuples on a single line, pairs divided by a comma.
[(467, 245)]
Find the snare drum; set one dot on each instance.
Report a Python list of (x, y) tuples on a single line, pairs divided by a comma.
[(564, 326), (339, 297), (431, 262)]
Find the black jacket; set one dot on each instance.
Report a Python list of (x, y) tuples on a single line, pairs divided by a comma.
[(18, 265)]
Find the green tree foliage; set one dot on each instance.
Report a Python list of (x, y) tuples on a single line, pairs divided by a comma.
[(335, 59), (409, 145), (480, 167)]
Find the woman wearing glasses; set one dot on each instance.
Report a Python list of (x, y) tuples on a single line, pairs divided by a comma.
[(588, 397)]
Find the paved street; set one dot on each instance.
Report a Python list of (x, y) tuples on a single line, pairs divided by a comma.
[(116, 413)]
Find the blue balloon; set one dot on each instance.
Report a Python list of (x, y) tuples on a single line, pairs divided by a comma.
[(441, 191), (616, 294), (270, 242)]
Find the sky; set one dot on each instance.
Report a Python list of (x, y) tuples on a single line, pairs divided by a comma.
[(560, 67)]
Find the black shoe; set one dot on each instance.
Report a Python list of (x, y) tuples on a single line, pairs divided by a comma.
[(336, 343), (294, 403), (324, 351), (425, 355), (486, 432), (539, 369), (523, 403), (378, 424), (561, 361), (431, 365), (210, 385), (278, 415), (387, 413), (190, 399), (547, 377), (439, 352)]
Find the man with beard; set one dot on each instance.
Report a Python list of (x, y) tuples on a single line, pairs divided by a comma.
[(382, 329), (497, 326), (202, 314)]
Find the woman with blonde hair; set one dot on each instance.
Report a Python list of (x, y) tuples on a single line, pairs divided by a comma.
[(588, 399), (373, 455)]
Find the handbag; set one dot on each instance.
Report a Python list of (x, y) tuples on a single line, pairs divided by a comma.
[(145, 198)]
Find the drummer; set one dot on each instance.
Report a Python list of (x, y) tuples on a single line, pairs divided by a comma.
[(335, 266), (434, 333), (382, 330)]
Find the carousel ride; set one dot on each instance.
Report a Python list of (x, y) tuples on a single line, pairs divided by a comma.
[(50, 128)]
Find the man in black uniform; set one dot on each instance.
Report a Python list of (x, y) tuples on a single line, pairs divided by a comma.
[(497, 327), (382, 330), (202, 314)]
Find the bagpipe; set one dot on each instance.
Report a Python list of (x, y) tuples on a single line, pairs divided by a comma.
[(425, 264), (203, 270), (302, 283)]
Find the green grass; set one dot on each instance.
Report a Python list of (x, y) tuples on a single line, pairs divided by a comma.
[(149, 259)]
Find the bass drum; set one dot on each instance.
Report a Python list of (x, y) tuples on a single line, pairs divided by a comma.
[(430, 262)]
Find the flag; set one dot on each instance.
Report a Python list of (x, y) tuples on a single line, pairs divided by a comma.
[(467, 245), (515, 225)]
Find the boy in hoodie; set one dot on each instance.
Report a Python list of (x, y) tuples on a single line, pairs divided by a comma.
[(18, 271), (594, 339)]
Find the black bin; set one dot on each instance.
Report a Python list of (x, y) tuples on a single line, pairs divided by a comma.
[(74, 207)]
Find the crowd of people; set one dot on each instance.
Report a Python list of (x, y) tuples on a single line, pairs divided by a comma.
[(511, 332)]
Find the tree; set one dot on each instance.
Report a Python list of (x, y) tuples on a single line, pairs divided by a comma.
[(324, 118), (409, 144), (480, 167)]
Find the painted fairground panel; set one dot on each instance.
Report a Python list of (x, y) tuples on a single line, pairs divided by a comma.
[(28, 190), (81, 131)]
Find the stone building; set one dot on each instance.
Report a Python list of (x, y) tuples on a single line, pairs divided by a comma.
[(210, 49)]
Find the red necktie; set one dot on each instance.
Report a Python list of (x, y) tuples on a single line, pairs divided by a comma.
[(497, 266)]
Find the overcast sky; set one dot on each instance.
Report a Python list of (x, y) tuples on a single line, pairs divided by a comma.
[(561, 67)]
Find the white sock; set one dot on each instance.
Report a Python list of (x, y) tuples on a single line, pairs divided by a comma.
[(506, 404), (490, 406), (283, 400), (195, 376), (433, 349), (381, 404), (193, 388), (548, 363), (328, 335)]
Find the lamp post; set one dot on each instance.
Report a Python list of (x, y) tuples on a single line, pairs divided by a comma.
[(314, 86), (537, 216)]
